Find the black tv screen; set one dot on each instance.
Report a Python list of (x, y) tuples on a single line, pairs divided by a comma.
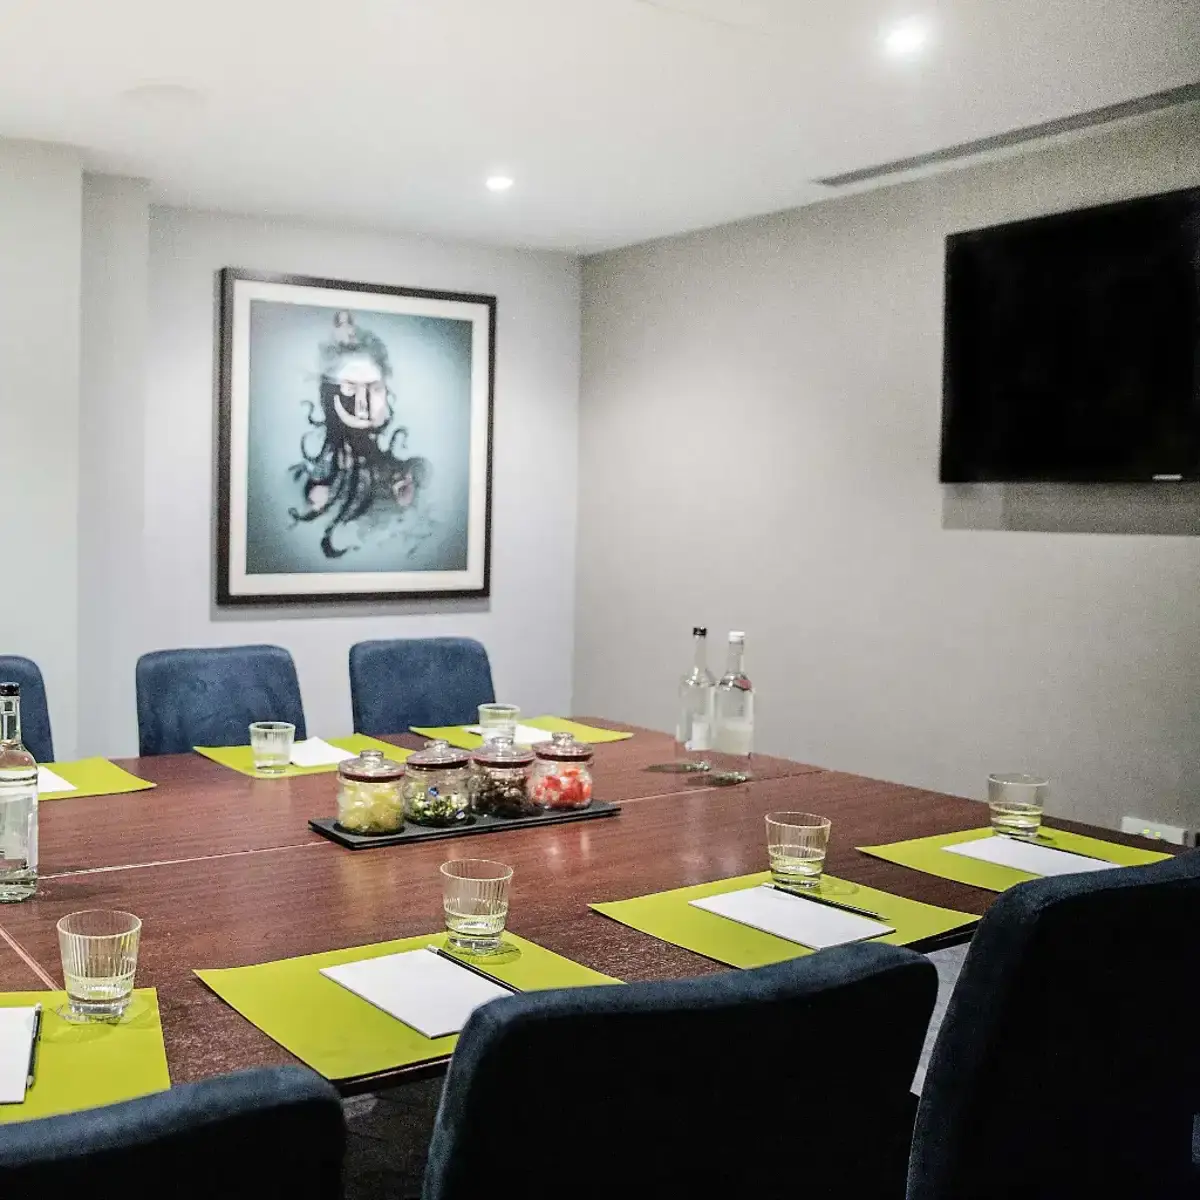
[(1072, 348)]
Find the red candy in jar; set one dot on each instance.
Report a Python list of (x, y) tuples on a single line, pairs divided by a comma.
[(562, 776)]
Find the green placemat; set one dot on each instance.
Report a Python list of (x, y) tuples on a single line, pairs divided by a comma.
[(85, 1066), (670, 917), (241, 759), (457, 735), (94, 777), (342, 1036), (927, 854)]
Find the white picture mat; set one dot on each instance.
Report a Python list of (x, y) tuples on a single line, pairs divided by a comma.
[(334, 583), (429, 993), (793, 918), (1028, 856)]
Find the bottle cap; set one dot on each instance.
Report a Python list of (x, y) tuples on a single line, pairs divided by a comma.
[(10, 689), (735, 636), (699, 631)]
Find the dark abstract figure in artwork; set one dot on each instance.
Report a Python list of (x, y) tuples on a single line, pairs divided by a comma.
[(352, 472)]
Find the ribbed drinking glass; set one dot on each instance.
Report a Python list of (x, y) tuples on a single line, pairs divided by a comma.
[(271, 746), (498, 720), (796, 843), (475, 898), (1017, 803), (99, 959)]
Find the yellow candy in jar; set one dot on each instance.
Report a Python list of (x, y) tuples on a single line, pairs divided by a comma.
[(369, 794)]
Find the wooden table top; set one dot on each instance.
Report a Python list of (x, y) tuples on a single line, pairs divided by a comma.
[(224, 871)]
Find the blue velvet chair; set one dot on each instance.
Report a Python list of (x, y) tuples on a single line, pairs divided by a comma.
[(189, 698), (791, 1079), (260, 1134), (35, 715), (1068, 1062), (418, 681)]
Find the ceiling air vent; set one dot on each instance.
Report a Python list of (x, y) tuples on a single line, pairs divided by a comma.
[(1172, 98)]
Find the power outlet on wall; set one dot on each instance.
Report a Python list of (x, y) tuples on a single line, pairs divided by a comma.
[(1159, 831)]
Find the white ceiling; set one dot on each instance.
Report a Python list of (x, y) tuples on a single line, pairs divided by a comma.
[(620, 120)]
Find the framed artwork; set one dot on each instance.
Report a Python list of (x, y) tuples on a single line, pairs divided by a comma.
[(354, 452)]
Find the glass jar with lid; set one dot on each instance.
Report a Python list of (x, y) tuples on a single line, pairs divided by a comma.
[(435, 785), (500, 779), (562, 776), (370, 794)]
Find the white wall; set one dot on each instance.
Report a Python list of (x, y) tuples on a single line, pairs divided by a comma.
[(116, 260), (759, 438), (39, 415), (157, 567)]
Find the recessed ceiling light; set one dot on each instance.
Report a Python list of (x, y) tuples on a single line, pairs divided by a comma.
[(498, 183), (906, 38)]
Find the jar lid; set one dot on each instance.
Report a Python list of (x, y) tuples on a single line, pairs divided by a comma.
[(503, 752), (562, 747), (437, 755), (370, 767)]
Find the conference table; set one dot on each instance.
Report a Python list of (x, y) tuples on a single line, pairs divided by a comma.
[(224, 871)]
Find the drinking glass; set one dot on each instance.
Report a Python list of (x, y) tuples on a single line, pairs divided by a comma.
[(475, 898), (271, 745), (796, 843), (498, 720), (99, 958), (1017, 802)]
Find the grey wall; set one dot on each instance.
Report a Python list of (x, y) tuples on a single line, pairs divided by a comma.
[(147, 524), (758, 450), (39, 415)]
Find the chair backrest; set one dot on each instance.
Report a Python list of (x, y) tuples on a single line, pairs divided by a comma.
[(1067, 1064), (418, 681), (189, 698), (35, 714), (276, 1132), (791, 1078)]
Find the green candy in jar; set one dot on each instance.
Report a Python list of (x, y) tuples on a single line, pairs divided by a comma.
[(435, 786)]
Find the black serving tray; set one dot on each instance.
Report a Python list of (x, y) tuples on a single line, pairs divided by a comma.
[(328, 827)]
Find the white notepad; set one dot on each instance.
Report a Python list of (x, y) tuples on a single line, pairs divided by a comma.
[(1028, 856), (316, 752), (49, 782), (525, 735), (16, 1040), (817, 926), (433, 995)]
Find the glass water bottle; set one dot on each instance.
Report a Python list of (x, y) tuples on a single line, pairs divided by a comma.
[(18, 803), (734, 709), (694, 727)]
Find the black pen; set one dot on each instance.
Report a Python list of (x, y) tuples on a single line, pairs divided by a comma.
[(862, 912), (508, 987), (37, 1033)]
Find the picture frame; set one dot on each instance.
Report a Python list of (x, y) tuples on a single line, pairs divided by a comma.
[(354, 441)]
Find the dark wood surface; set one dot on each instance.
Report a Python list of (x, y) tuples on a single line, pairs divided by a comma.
[(201, 808), (224, 871)]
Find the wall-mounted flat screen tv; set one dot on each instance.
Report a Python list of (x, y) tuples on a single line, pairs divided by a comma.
[(1072, 346)]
